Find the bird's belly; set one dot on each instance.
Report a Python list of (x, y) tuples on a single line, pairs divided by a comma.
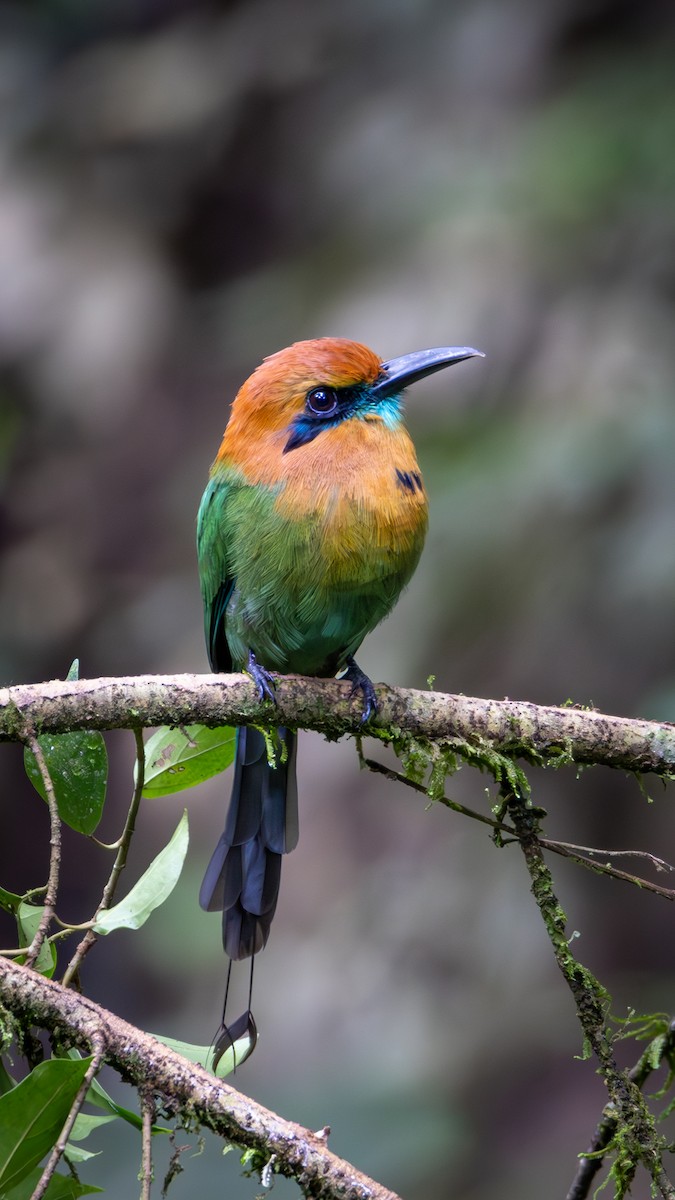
[(307, 599)]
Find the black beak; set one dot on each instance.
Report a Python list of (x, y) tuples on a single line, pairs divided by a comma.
[(399, 373)]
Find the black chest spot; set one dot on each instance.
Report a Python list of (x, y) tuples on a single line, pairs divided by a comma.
[(409, 481)]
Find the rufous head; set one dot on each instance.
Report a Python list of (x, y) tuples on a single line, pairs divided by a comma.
[(313, 385)]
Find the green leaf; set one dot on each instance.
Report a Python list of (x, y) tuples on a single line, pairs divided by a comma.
[(182, 758), (152, 888), (9, 900), (28, 918), (97, 1095), (6, 1081), (78, 1154), (60, 1187), (32, 1116), (78, 765), (86, 1123), (203, 1055)]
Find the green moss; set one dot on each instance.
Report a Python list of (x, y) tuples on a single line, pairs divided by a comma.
[(13, 721), (433, 761)]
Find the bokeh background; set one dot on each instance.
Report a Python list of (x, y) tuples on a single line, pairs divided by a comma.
[(186, 186)]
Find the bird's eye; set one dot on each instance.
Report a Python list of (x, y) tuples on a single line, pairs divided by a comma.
[(322, 401)]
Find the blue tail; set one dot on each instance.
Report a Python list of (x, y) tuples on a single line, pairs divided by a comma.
[(243, 875)]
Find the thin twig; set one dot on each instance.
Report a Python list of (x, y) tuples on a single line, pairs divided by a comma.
[(564, 849), (51, 892), (147, 1174), (59, 1148), (659, 863), (662, 1181), (645, 885), (91, 937), (396, 777)]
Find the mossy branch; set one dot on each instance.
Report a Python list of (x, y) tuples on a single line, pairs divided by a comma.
[(428, 730), (660, 1050), (516, 729), (186, 1090), (634, 1137)]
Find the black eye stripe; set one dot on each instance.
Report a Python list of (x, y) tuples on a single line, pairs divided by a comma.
[(325, 406)]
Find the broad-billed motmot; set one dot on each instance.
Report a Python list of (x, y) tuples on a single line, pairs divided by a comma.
[(312, 522)]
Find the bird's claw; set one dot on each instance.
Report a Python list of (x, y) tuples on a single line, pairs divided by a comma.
[(261, 678), (361, 683)]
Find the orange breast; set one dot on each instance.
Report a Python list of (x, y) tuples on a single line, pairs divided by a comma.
[(360, 473)]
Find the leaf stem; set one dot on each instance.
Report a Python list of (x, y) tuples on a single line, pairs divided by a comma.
[(54, 853), (119, 864), (98, 1047)]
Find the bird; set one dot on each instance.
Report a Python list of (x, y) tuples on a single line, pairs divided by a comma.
[(312, 522)]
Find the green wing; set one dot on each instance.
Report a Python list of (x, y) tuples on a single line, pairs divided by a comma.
[(215, 568)]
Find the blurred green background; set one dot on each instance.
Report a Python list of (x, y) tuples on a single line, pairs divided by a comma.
[(187, 186)]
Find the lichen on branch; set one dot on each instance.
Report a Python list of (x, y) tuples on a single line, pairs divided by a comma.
[(539, 734)]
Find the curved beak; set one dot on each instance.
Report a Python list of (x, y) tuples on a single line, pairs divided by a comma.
[(398, 373)]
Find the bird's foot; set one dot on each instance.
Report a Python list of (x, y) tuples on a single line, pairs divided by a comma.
[(361, 683), (261, 678)]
